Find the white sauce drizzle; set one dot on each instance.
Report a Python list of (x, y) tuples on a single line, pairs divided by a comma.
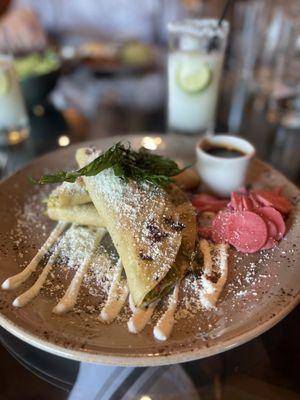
[(205, 248), (117, 296), (140, 316), (34, 290), (206, 251), (211, 291), (69, 299), (14, 281), (164, 326), (118, 291)]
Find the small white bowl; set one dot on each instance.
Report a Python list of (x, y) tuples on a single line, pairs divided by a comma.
[(224, 175)]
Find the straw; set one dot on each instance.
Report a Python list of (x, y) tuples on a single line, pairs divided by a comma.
[(214, 41), (224, 12)]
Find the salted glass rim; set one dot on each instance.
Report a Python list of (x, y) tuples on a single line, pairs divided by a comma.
[(200, 27)]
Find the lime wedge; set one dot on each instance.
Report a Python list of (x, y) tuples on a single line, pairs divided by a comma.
[(193, 77), (4, 82)]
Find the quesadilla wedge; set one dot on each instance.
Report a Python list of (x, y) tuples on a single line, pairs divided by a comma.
[(86, 214), (68, 194), (187, 247), (83, 214), (136, 215)]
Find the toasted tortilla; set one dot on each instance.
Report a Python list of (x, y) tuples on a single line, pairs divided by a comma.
[(136, 217), (84, 214), (187, 247), (187, 217), (68, 194)]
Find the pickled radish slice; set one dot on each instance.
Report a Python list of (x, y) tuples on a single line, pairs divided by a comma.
[(275, 217), (246, 231)]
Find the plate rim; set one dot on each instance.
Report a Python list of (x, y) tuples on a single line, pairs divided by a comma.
[(153, 360), (140, 360)]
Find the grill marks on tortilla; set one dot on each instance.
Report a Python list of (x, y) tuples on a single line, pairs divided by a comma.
[(156, 234), (177, 226)]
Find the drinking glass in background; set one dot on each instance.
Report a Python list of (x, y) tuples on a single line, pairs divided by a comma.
[(273, 42), (248, 30), (286, 83), (285, 101), (14, 125), (195, 61), (286, 145), (259, 38)]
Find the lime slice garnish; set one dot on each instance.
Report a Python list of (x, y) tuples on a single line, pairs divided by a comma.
[(193, 77), (4, 82)]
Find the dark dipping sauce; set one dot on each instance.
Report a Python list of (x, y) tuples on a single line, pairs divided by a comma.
[(221, 150)]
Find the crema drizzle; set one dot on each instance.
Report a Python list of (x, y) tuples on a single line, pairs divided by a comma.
[(14, 281), (117, 296), (32, 292), (140, 316), (164, 326), (211, 290), (118, 291)]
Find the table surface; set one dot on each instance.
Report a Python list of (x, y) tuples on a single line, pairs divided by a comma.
[(265, 368)]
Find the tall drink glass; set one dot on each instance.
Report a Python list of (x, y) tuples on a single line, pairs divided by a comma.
[(14, 126), (195, 61)]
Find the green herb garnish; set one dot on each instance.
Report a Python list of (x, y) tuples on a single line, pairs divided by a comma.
[(197, 262), (139, 166), (164, 286)]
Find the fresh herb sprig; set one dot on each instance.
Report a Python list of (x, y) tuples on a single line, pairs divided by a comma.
[(128, 164)]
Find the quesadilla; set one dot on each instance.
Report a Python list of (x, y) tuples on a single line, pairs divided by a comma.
[(187, 247), (86, 214), (142, 222), (83, 214), (68, 194)]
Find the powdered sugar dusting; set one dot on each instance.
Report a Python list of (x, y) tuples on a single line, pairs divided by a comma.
[(101, 273), (68, 194), (77, 244), (139, 210)]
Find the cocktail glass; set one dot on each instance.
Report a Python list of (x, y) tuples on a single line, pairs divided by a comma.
[(195, 62)]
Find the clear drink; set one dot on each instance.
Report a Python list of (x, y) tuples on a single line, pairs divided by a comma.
[(14, 126), (195, 64)]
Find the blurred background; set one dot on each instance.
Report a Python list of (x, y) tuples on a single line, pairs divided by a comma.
[(89, 69)]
